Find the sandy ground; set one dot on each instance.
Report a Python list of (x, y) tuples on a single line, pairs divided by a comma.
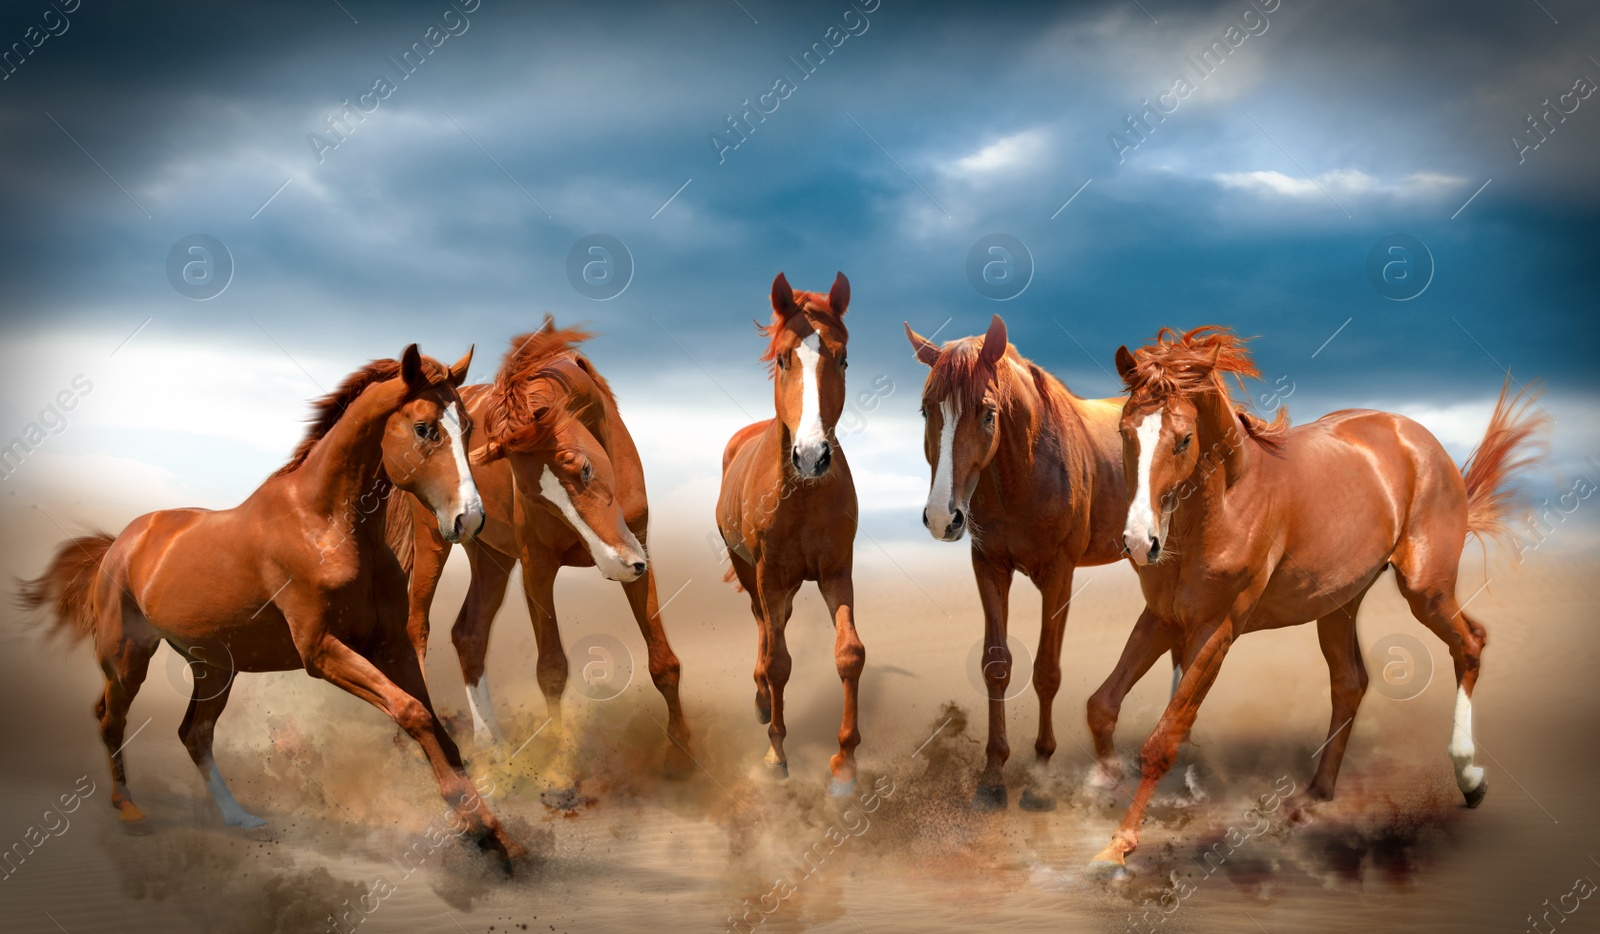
[(350, 809)]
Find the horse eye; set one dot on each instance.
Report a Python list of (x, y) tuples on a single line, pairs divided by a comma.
[(988, 417), (588, 473), (924, 410), (424, 431), (844, 362), (1183, 444)]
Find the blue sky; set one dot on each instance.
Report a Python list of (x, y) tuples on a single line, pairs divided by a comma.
[(446, 215)]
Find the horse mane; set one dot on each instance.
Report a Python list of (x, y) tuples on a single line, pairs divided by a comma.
[(814, 310), (326, 411), (1191, 363), (513, 420)]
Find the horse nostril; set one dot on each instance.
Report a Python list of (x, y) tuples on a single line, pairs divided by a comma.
[(957, 520), (925, 517), (822, 459), (794, 457), (1155, 548), (638, 567)]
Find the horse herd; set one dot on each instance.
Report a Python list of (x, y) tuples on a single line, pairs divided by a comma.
[(1233, 524)]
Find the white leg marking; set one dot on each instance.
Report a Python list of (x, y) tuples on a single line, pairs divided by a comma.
[(485, 729), (939, 497), (232, 813), (1468, 776), (1177, 675), (612, 563), (1141, 518)]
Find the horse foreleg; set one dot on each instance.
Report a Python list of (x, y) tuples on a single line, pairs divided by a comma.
[(994, 591), (1055, 592), (849, 656), (491, 572), (1149, 639), (1162, 746), (1347, 683), (664, 667), (408, 706), (777, 601)]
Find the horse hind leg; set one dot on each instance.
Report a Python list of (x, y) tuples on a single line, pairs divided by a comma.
[(125, 661), (211, 688), (1433, 602)]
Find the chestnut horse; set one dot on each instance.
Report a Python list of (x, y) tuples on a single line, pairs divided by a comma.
[(787, 510), (291, 578), (1237, 525), (562, 486), (1036, 473)]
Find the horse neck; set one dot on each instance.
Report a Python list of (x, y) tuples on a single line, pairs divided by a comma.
[(1223, 436), (344, 468), (1033, 424)]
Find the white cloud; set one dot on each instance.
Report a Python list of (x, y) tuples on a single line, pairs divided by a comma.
[(1338, 182), (1019, 150)]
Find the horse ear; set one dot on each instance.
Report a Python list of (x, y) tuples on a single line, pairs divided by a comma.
[(458, 371), (922, 347), (839, 295), (487, 454), (1126, 367), (411, 369), (783, 297), (994, 343), (549, 323)]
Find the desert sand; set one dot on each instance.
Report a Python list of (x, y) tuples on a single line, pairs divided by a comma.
[(350, 808)]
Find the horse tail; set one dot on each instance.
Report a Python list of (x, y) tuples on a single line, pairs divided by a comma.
[(1513, 443), (399, 529), (66, 588)]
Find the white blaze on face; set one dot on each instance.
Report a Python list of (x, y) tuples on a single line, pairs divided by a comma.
[(468, 505), (613, 563), (809, 436), (942, 493), (1141, 517), (1468, 776)]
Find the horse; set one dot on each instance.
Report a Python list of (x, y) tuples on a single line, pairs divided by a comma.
[(562, 486), (293, 577), (1238, 525), (1036, 474), (787, 509)]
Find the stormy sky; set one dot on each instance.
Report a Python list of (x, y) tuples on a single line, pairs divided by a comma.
[(1152, 163)]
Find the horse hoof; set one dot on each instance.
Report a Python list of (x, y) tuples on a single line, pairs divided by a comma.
[(1104, 779), (562, 799), (1036, 801), (1106, 869), (840, 789), (679, 764), (130, 812), (776, 767), (247, 822), (989, 798), (1475, 796)]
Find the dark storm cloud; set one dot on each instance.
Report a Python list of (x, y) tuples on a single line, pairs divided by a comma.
[(1255, 203)]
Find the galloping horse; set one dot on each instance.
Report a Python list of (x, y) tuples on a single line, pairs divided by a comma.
[(294, 577), (1036, 473), (787, 510), (1237, 525), (562, 486)]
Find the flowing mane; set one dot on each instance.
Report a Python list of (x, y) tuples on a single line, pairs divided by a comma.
[(814, 311), (1191, 363), (326, 411), (514, 421)]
